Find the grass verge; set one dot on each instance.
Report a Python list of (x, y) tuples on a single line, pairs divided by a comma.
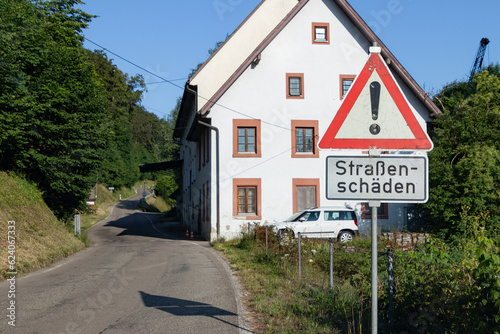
[(285, 302), (106, 199), (37, 239)]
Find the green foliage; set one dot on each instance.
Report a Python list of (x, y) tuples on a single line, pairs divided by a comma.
[(51, 108), (487, 277), (68, 116), (438, 288), (165, 186), (465, 161), (131, 130)]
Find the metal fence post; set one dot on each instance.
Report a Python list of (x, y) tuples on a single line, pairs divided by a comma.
[(300, 261), (390, 269), (331, 262), (266, 241)]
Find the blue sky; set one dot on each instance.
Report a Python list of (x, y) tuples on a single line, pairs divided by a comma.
[(435, 40)]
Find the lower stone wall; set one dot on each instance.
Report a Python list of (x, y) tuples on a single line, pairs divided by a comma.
[(405, 240)]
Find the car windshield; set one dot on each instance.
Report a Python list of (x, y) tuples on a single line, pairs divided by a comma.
[(293, 217), (308, 216)]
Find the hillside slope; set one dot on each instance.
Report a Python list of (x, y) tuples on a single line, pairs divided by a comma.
[(40, 239)]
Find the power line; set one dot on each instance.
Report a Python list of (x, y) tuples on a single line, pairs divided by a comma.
[(159, 82), (182, 88), (134, 64), (258, 164), (156, 110)]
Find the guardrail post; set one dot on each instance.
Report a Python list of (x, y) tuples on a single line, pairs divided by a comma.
[(300, 260)]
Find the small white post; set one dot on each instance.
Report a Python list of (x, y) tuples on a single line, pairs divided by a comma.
[(77, 225)]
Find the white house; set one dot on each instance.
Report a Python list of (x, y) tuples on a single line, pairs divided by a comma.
[(252, 115)]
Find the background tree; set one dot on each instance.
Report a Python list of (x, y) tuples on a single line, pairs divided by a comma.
[(465, 162), (51, 107)]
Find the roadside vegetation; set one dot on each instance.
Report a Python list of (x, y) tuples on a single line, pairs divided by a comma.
[(40, 239), (164, 187), (105, 200), (438, 289), (70, 121), (448, 285)]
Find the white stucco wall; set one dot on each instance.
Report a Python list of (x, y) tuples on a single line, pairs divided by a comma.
[(239, 46), (260, 92)]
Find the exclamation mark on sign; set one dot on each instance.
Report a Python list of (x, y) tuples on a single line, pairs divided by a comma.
[(375, 98)]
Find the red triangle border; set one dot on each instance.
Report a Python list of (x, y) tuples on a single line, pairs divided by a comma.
[(375, 63)]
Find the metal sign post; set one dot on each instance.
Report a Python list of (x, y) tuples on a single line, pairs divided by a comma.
[(376, 116), (374, 205)]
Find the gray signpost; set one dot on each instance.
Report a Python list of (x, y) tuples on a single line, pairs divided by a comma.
[(377, 178), (375, 116)]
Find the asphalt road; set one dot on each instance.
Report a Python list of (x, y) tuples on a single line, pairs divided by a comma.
[(141, 276)]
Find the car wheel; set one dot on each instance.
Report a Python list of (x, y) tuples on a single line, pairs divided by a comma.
[(345, 236)]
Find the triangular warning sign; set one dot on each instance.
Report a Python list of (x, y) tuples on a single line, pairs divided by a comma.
[(375, 114)]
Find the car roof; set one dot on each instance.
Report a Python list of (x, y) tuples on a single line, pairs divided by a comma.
[(343, 208)]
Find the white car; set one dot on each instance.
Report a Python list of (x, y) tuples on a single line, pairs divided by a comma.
[(340, 223)]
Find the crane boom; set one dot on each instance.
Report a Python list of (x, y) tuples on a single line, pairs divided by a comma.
[(478, 62)]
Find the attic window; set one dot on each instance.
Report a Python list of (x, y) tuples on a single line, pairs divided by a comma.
[(320, 33)]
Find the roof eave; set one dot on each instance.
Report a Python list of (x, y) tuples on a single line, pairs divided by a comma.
[(225, 41), (188, 100)]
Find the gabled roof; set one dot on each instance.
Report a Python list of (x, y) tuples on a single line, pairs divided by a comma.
[(247, 42), (360, 24)]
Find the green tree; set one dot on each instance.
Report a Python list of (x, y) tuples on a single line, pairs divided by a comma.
[(51, 107), (465, 162), (165, 186), (134, 134), (167, 148)]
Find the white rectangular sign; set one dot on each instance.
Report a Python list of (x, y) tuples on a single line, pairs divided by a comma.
[(386, 178)]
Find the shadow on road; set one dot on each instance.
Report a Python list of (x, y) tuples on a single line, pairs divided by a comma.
[(182, 307), (146, 224)]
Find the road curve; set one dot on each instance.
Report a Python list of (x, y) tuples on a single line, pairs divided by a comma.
[(140, 276)]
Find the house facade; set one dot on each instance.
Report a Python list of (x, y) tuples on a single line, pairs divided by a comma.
[(251, 117)]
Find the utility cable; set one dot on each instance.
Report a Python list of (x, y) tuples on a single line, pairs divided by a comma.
[(257, 165), (134, 64), (182, 88)]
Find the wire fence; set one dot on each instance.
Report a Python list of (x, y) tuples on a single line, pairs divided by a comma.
[(306, 242)]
